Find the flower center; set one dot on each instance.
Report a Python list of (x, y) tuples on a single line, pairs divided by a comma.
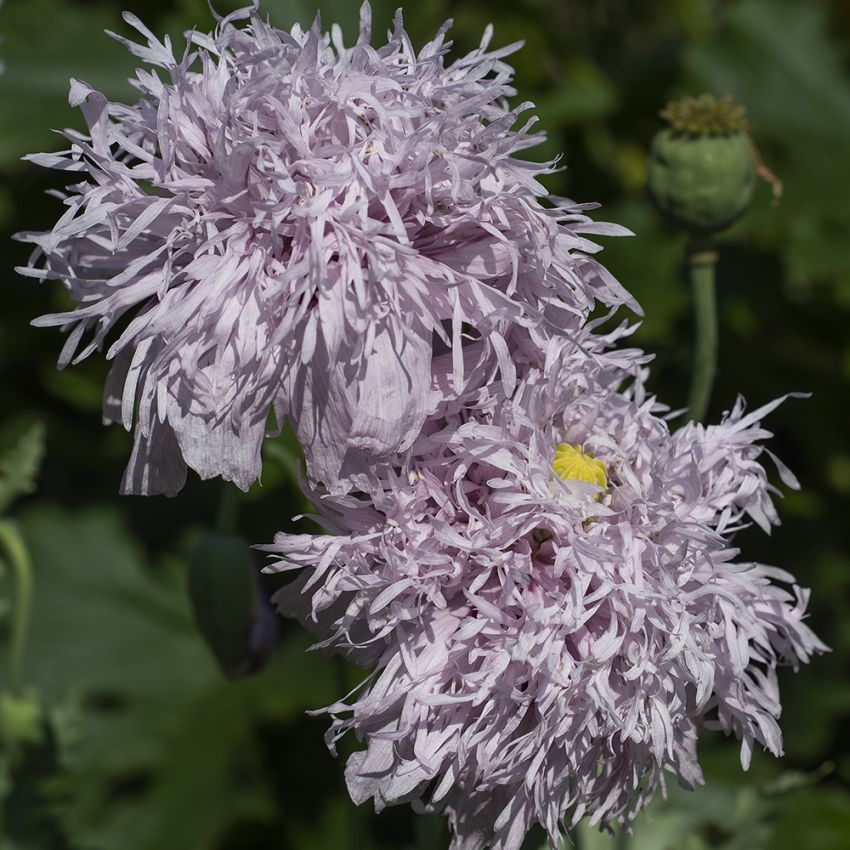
[(572, 464)]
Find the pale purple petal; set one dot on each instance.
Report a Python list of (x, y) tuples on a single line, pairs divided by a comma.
[(539, 651), (280, 218)]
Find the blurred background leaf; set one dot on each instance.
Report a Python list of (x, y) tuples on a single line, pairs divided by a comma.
[(798, 97), (143, 720), (146, 746), (21, 454)]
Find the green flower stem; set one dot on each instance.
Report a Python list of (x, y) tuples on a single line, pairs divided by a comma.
[(19, 560), (702, 259)]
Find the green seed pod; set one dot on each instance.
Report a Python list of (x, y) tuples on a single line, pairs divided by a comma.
[(702, 168)]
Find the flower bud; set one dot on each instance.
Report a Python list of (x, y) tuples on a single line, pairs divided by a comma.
[(702, 168)]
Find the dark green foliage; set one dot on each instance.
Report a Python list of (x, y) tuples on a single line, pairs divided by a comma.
[(21, 453), (140, 742), (223, 589)]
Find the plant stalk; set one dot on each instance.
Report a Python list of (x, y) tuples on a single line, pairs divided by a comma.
[(19, 561), (702, 260)]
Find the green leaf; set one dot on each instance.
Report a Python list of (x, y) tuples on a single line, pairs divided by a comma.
[(46, 42), (20, 464), (284, 453), (655, 277), (21, 720), (5, 779), (223, 590), (156, 749), (814, 818), (586, 94), (285, 13)]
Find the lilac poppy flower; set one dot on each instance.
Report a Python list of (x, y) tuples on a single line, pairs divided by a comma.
[(282, 226), (550, 605)]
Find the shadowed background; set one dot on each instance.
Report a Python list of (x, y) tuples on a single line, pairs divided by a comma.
[(141, 743)]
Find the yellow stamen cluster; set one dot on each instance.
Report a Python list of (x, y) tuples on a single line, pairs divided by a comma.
[(572, 464)]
